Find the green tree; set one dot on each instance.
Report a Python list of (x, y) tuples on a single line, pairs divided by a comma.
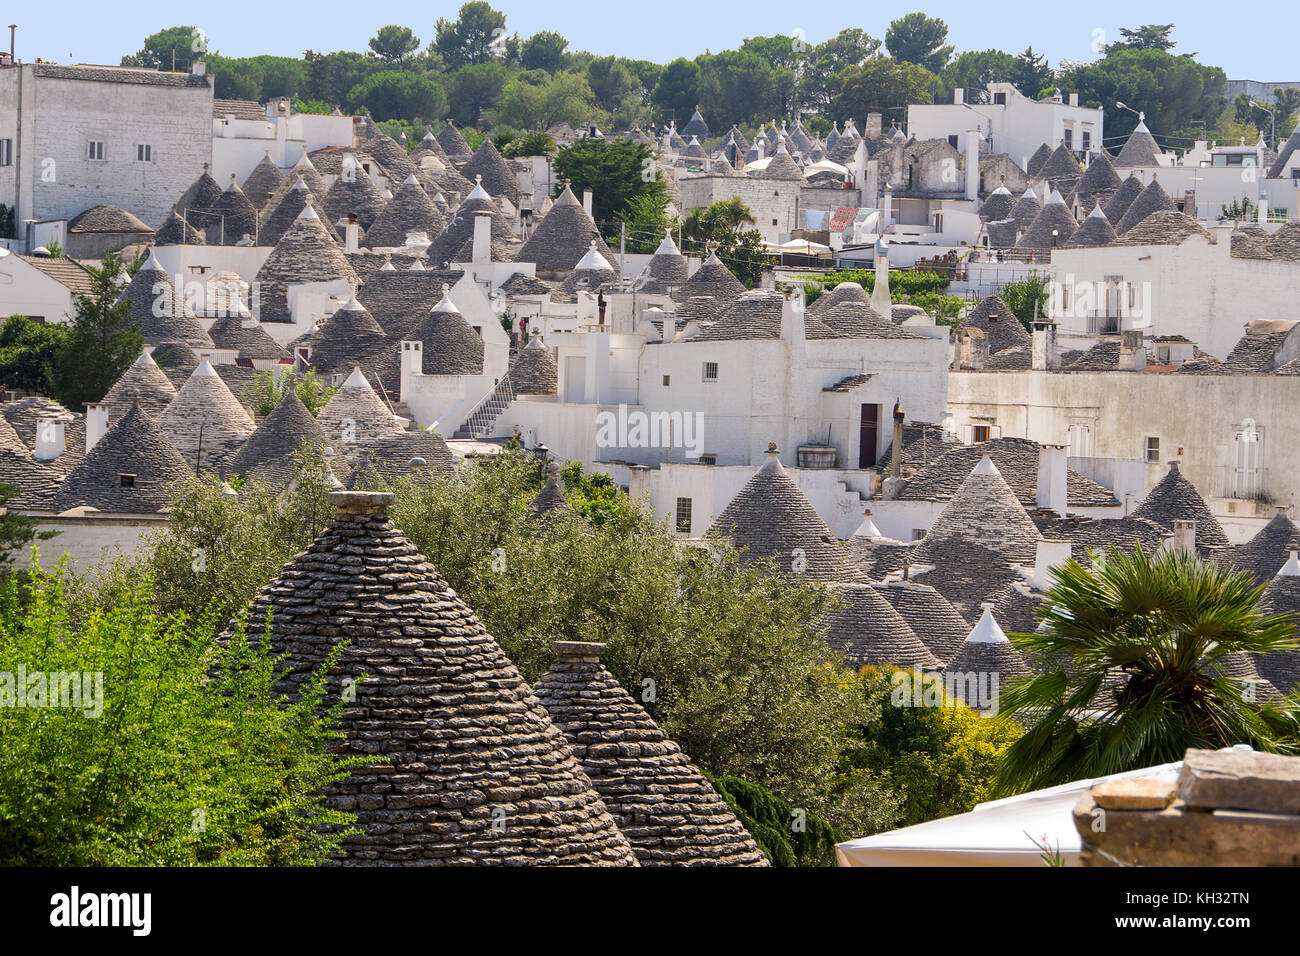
[(17, 531), (394, 44), (720, 228), (769, 820), (737, 85), (881, 85), (1152, 36), (677, 91), (234, 79), (1027, 298), (543, 50), (267, 391), (616, 170), (646, 219), (1163, 626), (27, 350), (611, 81), (101, 343), (919, 39), (180, 753), (824, 65), (941, 760), (1175, 92), (1286, 106), (478, 34), (475, 90), (973, 71), (330, 77), (1031, 73), (173, 47), (399, 94), (531, 144)]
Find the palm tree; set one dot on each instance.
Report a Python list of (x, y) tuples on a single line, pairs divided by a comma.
[(1139, 651)]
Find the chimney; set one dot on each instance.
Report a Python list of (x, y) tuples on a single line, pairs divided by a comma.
[(973, 166), (1048, 555), (482, 248), (959, 96), (199, 68), (352, 239), (412, 364), (896, 452), (880, 300), (1074, 99), (974, 346), (1184, 538), (1132, 353), (96, 424), (49, 439), (1043, 346), (638, 484), (361, 502), (871, 129), (586, 200), (1051, 478), (575, 652), (1262, 210)]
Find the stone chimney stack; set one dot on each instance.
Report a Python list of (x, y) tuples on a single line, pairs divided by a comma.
[(1043, 354), (481, 250), (586, 201), (352, 236), (896, 453), (49, 439), (1052, 484), (1048, 555), (1132, 351), (1184, 538), (576, 651), (973, 346), (96, 424)]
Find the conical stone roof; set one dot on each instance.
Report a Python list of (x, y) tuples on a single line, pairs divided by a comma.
[(353, 194), (563, 237), (1140, 149), (1175, 498), (1026, 209), (1036, 161), (305, 170), (868, 630), (388, 152), (534, 371), (453, 145), (429, 146), (987, 652), (205, 422), (199, 201), (176, 231), (460, 227), (1097, 184), (263, 182), (549, 504), (143, 384), (132, 469), (1094, 231), (497, 176), (349, 336), (238, 217), (463, 764), (268, 454), (355, 415), (710, 279), (306, 253), (984, 511), (160, 310), (1153, 199), (1054, 217), (450, 344), (1282, 596), (770, 517), (998, 206), (1270, 548), (410, 210), (417, 453), (994, 318), (666, 808), (851, 292), (279, 218), (1118, 204), (696, 126), (238, 330), (666, 269), (1062, 170), (782, 166), (930, 615)]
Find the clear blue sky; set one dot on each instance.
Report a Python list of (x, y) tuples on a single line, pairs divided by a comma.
[(1248, 46)]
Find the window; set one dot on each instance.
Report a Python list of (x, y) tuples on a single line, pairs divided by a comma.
[(683, 515), (952, 140), (1086, 142), (1065, 299), (127, 481), (667, 379), (999, 99), (979, 433), (1069, 137), (1153, 448), (774, 222), (708, 459), (95, 149), (918, 534), (6, 152), (143, 153), (710, 371)]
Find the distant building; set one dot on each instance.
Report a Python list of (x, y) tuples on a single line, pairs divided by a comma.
[(75, 137)]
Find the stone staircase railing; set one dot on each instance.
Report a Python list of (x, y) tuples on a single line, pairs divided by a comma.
[(481, 420)]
